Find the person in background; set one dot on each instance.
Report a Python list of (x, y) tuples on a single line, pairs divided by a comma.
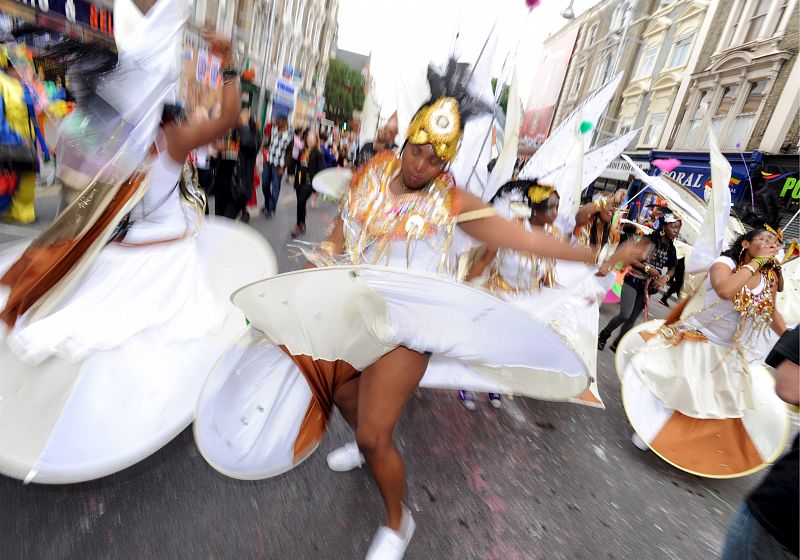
[(344, 157), (675, 283), (297, 146), (201, 158), (249, 142), (766, 525), (225, 170), (384, 140), (330, 159), (310, 163), (645, 277), (278, 152)]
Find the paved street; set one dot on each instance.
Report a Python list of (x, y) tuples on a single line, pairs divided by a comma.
[(533, 480)]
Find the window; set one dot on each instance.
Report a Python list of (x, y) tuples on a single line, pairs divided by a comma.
[(680, 51), (735, 17), (747, 114), (601, 72), (619, 18), (647, 62), (723, 109), (579, 79), (781, 13), (592, 36), (697, 120), (757, 20), (653, 131), (625, 126)]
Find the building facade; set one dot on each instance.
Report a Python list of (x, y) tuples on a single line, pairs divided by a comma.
[(608, 43), (287, 43)]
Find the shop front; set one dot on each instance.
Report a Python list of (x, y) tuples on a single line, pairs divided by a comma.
[(781, 173), (617, 175)]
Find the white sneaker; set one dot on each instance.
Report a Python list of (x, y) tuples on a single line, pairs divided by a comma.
[(345, 458), (639, 442), (391, 545)]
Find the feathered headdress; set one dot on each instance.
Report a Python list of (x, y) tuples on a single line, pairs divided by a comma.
[(440, 121)]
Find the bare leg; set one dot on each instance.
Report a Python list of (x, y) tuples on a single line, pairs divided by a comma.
[(345, 397), (383, 390)]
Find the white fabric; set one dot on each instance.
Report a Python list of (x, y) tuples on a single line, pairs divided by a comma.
[(504, 166), (788, 301), (251, 409), (70, 421), (767, 423), (712, 233), (719, 320)]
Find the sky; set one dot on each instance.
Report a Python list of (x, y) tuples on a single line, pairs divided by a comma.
[(404, 35)]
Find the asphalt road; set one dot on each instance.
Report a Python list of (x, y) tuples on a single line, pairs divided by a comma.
[(532, 480)]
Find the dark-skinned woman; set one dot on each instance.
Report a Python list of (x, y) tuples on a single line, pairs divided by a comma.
[(645, 277), (399, 219)]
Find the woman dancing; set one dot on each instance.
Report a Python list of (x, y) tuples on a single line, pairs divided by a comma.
[(694, 391), (644, 278), (401, 212), (117, 310)]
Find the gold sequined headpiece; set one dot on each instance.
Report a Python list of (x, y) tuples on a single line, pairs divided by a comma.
[(539, 193), (777, 233), (438, 124)]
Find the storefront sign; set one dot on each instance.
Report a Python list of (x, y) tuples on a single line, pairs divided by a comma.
[(79, 12), (620, 170)]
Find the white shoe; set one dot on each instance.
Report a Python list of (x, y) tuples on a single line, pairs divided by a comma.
[(639, 442), (391, 545), (345, 458)]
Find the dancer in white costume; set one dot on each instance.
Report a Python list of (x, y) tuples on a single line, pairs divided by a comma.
[(563, 295), (360, 337), (693, 391), (108, 343)]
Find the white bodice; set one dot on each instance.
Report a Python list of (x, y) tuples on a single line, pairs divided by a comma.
[(718, 320), (160, 215)]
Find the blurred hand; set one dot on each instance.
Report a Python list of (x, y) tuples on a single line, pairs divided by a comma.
[(219, 44), (629, 252)]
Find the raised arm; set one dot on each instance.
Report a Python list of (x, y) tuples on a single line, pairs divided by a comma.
[(727, 283), (184, 138), (497, 232)]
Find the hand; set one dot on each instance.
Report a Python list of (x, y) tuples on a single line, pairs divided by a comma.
[(654, 273), (604, 269), (629, 252), (661, 281), (220, 45)]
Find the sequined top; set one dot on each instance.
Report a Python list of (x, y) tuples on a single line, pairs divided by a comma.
[(728, 322), (411, 230), (513, 273)]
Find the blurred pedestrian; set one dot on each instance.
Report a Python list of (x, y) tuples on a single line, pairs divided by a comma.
[(279, 155), (310, 163), (249, 142)]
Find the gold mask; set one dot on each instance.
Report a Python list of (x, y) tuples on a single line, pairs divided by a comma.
[(438, 124)]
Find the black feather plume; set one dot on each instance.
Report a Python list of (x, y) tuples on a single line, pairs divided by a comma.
[(453, 81)]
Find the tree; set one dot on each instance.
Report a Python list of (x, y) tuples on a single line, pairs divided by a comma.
[(344, 91)]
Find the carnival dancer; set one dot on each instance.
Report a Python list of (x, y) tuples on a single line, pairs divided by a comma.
[(645, 278), (117, 312), (507, 273), (695, 392), (360, 337)]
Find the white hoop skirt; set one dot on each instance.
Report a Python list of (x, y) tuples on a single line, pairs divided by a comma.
[(114, 372), (726, 447), (258, 414)]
